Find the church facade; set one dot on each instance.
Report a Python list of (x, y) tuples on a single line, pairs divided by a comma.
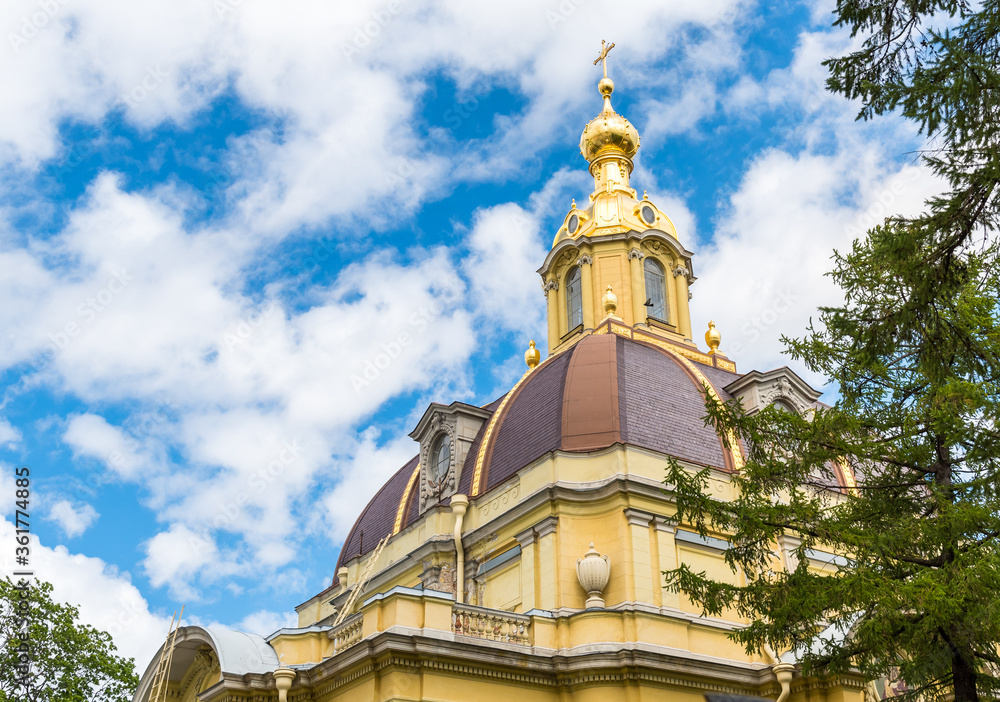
[(520, 551)]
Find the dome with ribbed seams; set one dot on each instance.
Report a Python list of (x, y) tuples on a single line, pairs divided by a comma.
[(603, 391)]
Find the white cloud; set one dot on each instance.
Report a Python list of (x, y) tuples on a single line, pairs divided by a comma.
[(9, 435), (73, 519), (359, 476), (763, 275), (505, 248), (175, 555), (346, 65), (265, 622), (92, 436)]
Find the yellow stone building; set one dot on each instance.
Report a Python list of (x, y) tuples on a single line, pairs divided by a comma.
[(520, 551)]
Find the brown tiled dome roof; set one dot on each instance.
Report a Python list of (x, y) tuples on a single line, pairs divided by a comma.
[(607, 389)]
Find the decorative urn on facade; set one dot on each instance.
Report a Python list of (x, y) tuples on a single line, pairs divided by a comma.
[(610, 301), (593, 571)]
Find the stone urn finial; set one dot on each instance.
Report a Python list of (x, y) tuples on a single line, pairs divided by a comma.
[(593, 571)]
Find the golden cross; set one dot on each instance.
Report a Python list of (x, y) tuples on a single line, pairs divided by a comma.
[(604, 56)]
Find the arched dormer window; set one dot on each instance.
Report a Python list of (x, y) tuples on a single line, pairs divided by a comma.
[(574, 299), (656, 290)]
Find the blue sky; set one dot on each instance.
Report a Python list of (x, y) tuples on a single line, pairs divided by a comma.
[(216, 217)]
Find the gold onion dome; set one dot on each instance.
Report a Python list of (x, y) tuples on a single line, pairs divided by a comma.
[(609, 131)]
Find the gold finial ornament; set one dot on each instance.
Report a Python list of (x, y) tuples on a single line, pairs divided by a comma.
[(606, 85), (610, 301), (532, 356), (713, 338), (609, 131)]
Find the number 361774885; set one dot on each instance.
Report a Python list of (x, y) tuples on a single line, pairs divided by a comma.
[(22, 496)]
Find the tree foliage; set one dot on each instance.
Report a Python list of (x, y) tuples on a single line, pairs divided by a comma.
[(915, 352), (46, 655)]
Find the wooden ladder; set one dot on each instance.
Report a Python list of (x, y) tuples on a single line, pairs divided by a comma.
[(365, 577), (158, 690)]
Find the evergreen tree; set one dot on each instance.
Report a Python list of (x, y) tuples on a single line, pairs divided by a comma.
[(46, 655), (915, 353)]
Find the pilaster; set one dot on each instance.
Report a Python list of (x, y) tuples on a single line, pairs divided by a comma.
[(641, 559), (586, 263), (529, 556), (539, 565), (667, 549), (553, 304), (681, 274), (635, 257)]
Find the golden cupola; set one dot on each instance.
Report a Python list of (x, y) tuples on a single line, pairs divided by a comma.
[(609, 133), (618, 242), (609, 141)]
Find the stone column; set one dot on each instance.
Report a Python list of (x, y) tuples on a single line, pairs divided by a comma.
[(587, 290), (641, 559), (635, 257), (681, 274), (668, 560)]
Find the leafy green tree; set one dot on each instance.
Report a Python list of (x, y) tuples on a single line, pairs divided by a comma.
[(46, 655), (915, 353)]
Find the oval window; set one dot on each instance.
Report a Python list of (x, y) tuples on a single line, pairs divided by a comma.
[(573, 223), (441, 458), (648, 215)]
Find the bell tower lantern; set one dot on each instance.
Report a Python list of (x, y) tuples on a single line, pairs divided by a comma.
[(615, 240)]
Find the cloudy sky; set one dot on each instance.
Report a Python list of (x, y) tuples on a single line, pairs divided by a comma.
[(216, 216)]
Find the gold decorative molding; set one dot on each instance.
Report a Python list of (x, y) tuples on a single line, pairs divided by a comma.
[(398, 524), (849, 478), (674, 348), (488, 434), (725, 365), (735, 450)]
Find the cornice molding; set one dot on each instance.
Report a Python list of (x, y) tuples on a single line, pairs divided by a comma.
[(563, 669)]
